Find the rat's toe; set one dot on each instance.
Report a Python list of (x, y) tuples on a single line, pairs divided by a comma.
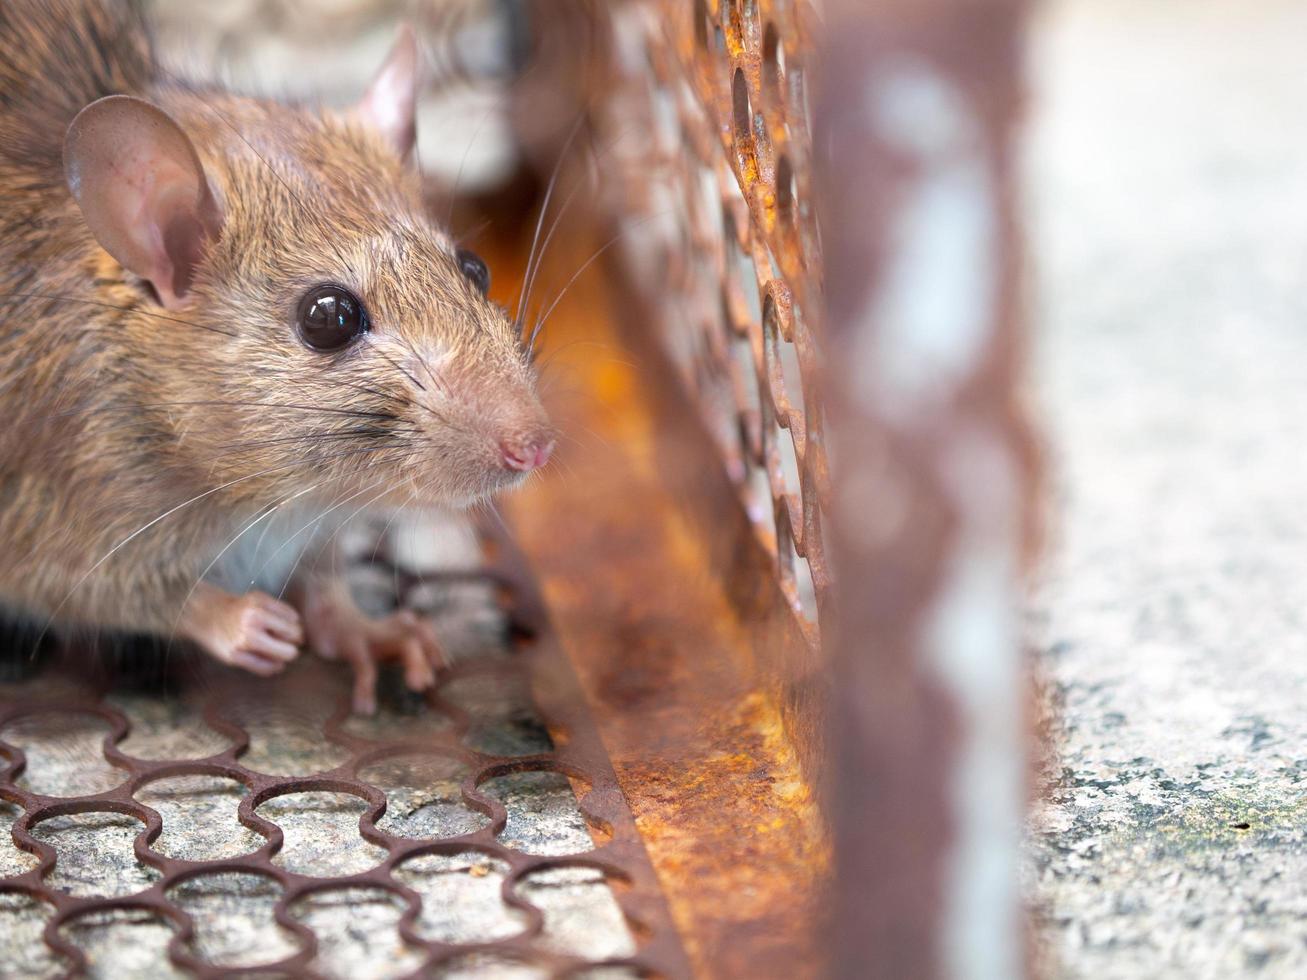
[(365, 678), (418, 675)]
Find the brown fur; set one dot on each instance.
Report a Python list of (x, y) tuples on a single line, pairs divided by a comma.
[(116, 410)]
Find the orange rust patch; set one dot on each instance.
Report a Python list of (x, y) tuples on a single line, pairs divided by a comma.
[(689, 718)]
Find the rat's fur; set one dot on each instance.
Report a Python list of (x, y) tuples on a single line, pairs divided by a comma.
[(115, 410)]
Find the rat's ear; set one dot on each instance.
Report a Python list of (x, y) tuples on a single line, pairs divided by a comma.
[(142, 191), (390, 103)]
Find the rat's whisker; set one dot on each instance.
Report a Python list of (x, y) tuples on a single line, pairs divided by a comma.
[(385, 488), (547, 361), (544, 208), (493, 511), (591, 173), (473, 233), (390, 442), (327, 409), (540, 322), (368, 389), (393, 433), (415, 496), (258, 545), (340, 525), (316, 520), (311, 438)]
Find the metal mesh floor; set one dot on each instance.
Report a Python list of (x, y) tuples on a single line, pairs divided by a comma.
[(209, 823)]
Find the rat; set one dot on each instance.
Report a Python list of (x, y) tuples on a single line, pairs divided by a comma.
[(224, 320)]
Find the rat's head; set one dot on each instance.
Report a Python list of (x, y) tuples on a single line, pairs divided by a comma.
[(317, 328)]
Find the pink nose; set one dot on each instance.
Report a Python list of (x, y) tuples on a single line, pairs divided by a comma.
[(526, 455)]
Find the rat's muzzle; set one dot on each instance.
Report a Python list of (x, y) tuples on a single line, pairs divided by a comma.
[(527, 453)]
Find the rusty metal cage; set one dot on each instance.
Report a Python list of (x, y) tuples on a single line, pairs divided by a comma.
[(718, 198), (766, 620)]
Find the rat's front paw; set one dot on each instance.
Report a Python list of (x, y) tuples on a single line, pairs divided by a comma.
[(253, 631), (337, 629)]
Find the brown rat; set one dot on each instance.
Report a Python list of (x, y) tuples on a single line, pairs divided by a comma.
[(225, 318)]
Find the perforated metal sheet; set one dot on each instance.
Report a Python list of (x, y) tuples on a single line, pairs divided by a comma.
[(711, 136), (618, 853)]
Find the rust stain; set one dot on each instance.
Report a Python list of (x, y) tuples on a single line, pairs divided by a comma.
[(691, 724)]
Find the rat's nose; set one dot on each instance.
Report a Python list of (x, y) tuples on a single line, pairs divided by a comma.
[(526, 454)]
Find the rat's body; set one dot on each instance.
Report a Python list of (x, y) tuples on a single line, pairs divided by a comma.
[(154, 404)]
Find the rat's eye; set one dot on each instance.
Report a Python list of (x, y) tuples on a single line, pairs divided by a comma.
[(330, 317), (475, 269)]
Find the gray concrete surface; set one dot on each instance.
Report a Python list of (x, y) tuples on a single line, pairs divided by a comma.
[(1168, 218)]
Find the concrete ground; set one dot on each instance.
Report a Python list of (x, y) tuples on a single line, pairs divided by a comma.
[(1168, 223)]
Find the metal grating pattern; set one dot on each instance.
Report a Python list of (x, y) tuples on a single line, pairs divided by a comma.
[(711, 136), (618, 854)]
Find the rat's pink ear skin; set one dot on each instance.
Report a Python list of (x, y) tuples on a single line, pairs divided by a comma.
[(390, 103), (142, 190)]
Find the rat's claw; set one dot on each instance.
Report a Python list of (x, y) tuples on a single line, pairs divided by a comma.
[(255, 664), (280, 619), (267, 645)]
